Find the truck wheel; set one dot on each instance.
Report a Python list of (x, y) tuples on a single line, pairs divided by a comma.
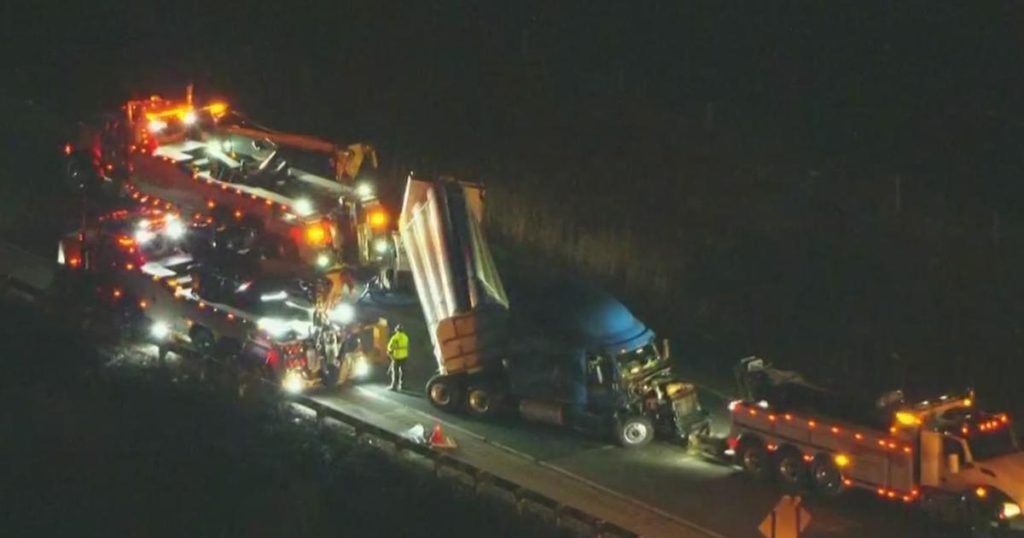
[(791, 469), (633, 431), (754, 459), (202, 339), (131, 322), (482, 401), (444, 393), (227, 348), (330, 373), (826, 477)]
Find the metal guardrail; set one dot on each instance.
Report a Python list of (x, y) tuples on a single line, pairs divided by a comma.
[(526, 500), (564, 516)]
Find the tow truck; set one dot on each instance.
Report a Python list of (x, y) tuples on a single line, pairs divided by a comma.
[(136, 262), (960, 463), (575, 357), (208, 163)]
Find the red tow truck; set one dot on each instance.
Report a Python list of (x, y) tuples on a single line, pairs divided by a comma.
[(959, 462), (210, 164), (137, 263)]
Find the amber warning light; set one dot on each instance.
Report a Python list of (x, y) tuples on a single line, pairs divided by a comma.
[(316, 234), (377, 219)]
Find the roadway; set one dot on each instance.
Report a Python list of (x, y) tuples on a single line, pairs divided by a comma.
[(668, 479)]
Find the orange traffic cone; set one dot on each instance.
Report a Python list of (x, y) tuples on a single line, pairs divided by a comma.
[(439, 440)]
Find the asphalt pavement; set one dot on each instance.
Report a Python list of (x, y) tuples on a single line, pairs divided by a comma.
[(681, 482)]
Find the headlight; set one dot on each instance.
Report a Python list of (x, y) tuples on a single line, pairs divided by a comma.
[(342, 313), (303, 207), (293, 382), (159, 330), (381, 246), (174, 228), (322, 260), (189, 118), (364, 190), (362, 369), (143, 236), (1011, 510), (155, 126), (273, 326)]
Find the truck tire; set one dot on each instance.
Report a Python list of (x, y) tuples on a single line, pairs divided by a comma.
[(791, 469), (445, 393), (330, 373), (227, 348), (633, 431), (826, 477), (202, 339), (131, 321), (754, 459), (483, 401)]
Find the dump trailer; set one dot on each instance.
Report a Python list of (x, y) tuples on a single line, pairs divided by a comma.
[(961, 463), (580, 359), (167, 152)]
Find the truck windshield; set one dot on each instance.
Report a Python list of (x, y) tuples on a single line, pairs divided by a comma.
[(985, 446), (640, 360)]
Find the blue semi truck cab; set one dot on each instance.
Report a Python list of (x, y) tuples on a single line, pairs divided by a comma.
[(565, 354)]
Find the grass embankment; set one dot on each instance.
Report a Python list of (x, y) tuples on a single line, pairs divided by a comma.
[(851, 275), (126, 451)]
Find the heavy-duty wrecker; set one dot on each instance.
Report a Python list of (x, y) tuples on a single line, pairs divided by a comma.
[(140, 263), (580, 360), (209, 163), (958, 461)]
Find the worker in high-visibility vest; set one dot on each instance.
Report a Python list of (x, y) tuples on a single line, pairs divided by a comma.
[(398, 351)]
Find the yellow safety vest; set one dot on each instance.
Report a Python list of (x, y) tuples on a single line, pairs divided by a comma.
[(398, 346)]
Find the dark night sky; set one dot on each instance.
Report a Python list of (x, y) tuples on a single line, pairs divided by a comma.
[(746, 151), (899, 85)]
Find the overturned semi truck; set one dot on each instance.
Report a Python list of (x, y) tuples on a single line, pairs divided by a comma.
[(565, 355)]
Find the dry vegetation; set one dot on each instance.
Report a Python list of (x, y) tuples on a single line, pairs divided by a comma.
[(858, 275)]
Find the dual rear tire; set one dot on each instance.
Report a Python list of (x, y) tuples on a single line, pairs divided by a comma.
[(790, 469), (755, 460), (451, 394), (484, 399), (445, 393)]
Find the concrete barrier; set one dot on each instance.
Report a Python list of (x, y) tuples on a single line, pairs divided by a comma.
[(488, 490), (387, 446), (574, 522), (302, 408), (460, 477), (535, 507), (336, 426), (417, 462)]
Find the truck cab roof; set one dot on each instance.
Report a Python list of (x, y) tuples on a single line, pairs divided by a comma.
[(582, 316)]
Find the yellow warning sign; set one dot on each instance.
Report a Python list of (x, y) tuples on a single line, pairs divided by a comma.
[(787, 520)]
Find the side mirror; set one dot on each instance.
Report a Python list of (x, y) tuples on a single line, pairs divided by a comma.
[(953, 463)]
